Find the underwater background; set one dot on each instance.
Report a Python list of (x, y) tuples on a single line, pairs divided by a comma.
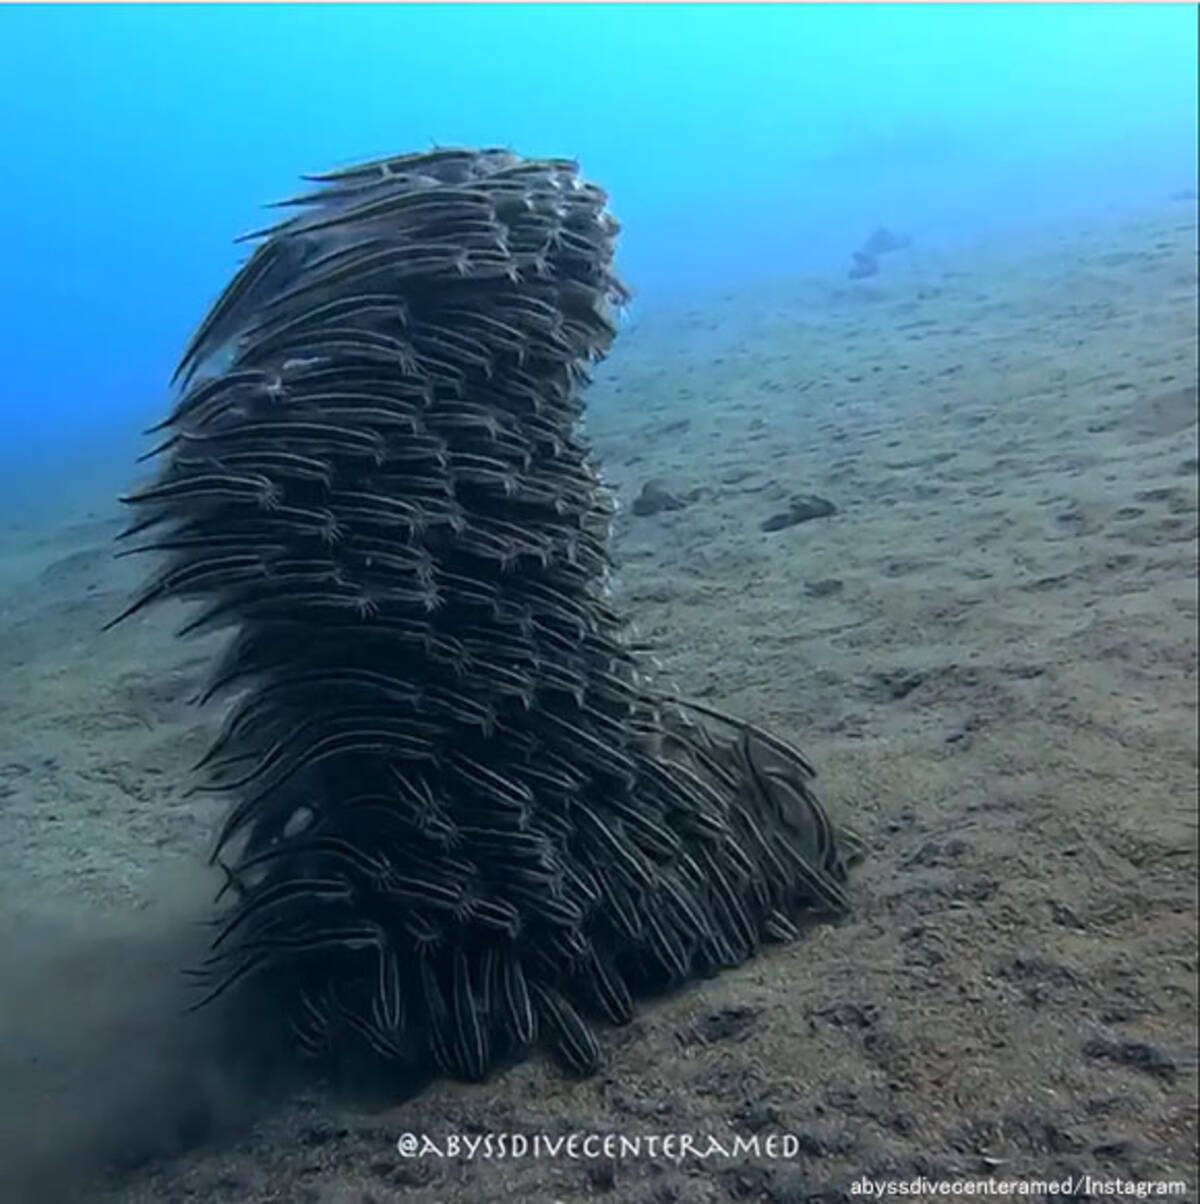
[(740, 144), (902, 425)]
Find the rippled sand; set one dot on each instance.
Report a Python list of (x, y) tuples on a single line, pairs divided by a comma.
[(989, 650)]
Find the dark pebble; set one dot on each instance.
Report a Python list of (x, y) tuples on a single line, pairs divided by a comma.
[(654, 498), (602, 1175), (802, 509), (1141, 1055), (824, 588)]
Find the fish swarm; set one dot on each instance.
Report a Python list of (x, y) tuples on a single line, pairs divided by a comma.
[(463, 820)]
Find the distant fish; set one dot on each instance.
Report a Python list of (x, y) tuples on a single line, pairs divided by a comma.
[(864, 265), (866, 258)]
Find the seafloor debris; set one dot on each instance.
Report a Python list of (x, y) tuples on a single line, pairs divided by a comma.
[(655, 497), (801, 509)]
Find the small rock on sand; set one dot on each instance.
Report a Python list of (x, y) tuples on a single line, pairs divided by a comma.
[(654, 498), (802, 509)]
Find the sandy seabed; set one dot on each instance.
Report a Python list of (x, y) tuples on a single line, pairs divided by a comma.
[(990, 651)]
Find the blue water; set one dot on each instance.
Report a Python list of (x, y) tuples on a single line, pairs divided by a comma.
[(738, 142)]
